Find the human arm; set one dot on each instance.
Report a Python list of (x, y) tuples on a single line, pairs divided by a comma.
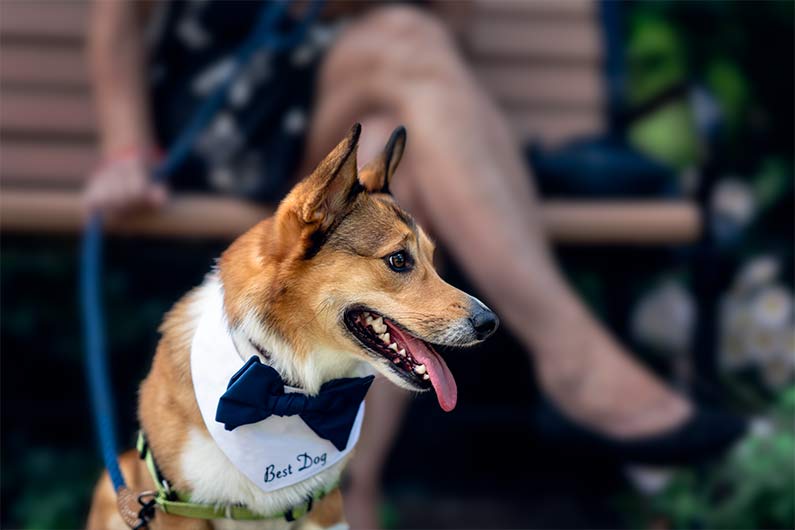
[(117, 64)]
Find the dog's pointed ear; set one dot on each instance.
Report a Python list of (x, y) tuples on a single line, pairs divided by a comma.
[(310, 209), (377, 174), (331, 186)]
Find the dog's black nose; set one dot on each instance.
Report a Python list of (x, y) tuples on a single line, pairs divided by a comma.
[(484, 320)]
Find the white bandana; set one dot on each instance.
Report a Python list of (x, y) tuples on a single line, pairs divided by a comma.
[(274, 453)]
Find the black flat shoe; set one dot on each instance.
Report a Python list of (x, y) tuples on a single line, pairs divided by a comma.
[(705, 434)]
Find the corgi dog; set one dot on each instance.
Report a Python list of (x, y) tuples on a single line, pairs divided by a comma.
[(336, 286)]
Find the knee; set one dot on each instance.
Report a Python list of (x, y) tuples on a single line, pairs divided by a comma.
[(411, 25), (399, 44), (412, 42)]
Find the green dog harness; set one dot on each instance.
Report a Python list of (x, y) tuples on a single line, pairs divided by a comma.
[(176, 503)]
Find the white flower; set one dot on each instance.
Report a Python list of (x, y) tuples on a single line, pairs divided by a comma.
[(772, 307), (758, 272), (649, 480), (756, 323), (733, 199), (665, 317)]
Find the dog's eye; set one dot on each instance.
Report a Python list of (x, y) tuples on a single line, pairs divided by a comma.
[(399, 261)]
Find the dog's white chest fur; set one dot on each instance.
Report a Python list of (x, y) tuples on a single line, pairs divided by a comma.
[(217, 475), (214, 480)]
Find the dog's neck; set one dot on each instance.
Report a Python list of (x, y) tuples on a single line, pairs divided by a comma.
[(252, 337)]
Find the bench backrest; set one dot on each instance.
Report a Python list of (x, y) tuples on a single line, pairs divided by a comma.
[(540, 59)]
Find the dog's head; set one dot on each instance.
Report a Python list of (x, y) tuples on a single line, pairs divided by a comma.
[(341, 274)]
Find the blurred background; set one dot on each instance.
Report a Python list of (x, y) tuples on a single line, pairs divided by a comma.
[(684, 105)]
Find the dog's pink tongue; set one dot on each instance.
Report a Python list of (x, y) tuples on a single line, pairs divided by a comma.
[(441, 377)]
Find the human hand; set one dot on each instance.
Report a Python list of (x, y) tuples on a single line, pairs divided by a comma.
[(123, 185)]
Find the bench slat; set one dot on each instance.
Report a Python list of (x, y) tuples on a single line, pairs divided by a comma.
[(537, 8), (538, 85), (522, 29), (51, 66), (554, 127), (47, 19), (541, 39), (36, 163), (519, 28), (41, 112), (543, 85), (641, 223), (512, 84), (29, 163), (72, 114)]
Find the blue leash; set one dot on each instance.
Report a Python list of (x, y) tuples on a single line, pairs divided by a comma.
[(265, 35)]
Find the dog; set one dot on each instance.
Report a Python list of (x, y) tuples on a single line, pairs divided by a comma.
[(337, 285)]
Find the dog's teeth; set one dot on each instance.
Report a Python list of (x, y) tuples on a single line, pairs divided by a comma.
[(384, 338), (368, 319), (425, 377), (378, 325), (420, 369), (393, 347), (402, 352)]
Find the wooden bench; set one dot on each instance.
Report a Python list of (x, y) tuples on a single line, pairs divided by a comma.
[(540, 59)]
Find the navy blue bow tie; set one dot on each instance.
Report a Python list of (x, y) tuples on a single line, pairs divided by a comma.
[(256, 392)]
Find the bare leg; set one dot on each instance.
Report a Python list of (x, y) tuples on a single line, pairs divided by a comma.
[(464, 179), (463, 172)]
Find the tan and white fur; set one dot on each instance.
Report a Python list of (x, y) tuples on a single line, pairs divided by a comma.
[(288, 284)]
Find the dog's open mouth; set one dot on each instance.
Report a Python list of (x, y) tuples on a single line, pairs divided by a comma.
[(411, 358)]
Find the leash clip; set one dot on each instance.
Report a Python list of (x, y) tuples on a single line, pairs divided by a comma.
[(147, 511)]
